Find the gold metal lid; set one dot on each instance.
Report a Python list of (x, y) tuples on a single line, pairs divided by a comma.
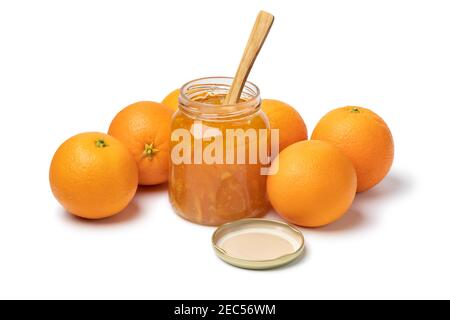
[(258, 243)]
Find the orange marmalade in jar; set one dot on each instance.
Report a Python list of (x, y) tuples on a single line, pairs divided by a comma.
[(218, 154)]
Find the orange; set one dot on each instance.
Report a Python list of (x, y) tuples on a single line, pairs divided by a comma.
[(144, 127), (93, 175), (363, 137), (315, 183), (285, 118), (171, 100)]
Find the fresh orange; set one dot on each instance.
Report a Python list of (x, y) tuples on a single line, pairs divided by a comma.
[(363, 137), (171, 100), (285, 118), (93, 175), (144, 127), (315, 183)]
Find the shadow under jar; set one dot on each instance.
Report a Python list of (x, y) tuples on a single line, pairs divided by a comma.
[(209, 181)]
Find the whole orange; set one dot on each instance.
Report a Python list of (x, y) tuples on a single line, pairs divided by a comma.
[(363, 137), (171, 100), (144, 127), (287, 120), (93, 175), (315, 183)]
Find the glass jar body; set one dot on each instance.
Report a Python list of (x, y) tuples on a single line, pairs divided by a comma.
[(218, 188)]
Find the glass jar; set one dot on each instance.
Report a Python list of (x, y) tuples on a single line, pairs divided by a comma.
[(216, 172)]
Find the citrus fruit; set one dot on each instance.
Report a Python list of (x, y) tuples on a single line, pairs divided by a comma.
[(171, 100), (285, 118), (315, 183), (144, 127), (363, 137), (93, 175)]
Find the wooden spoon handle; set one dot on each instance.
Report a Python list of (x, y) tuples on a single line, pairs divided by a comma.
[(259, 34)]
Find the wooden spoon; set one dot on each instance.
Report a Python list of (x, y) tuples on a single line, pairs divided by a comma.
[(259, 34)]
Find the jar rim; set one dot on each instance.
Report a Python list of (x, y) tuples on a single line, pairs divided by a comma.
[(250, 105)]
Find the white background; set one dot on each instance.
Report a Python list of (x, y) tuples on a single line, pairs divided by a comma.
[(69, 66)]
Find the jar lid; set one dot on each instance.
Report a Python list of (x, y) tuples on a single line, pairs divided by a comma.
[(258, 243)]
